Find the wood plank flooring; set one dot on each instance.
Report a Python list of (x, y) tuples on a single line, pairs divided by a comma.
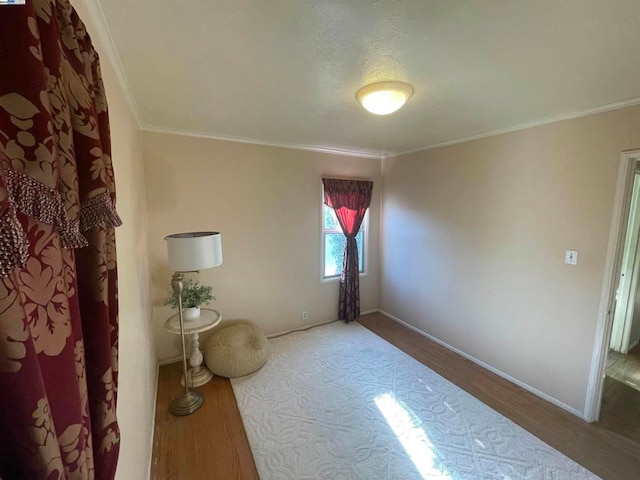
[(625, 368), (620, 410), (211, 443)]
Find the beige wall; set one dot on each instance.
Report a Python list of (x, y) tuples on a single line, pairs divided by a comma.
[(266, 201), (137, 362), (473, 239)]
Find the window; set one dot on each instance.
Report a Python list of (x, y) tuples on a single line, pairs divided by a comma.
[(334, 242)]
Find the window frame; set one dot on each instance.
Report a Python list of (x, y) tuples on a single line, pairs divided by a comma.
[(365, 243)]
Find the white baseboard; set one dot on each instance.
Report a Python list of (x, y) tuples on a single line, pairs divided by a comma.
[(307, 327), (153, 430), (168, 361), (300, 329), (486, 366)]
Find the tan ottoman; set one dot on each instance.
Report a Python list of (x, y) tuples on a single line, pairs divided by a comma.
[(236, 349)]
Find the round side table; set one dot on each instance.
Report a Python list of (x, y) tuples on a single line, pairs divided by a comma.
[(208, 319)]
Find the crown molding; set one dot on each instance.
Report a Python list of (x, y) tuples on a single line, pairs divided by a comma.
[(252, 141), (107, 43), (523, 126), (105, 38)]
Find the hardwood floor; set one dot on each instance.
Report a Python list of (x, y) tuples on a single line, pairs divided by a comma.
[(211, 443), (625, 368), (620, 410)]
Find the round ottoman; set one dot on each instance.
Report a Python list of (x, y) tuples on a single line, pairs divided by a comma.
[(236, 350)]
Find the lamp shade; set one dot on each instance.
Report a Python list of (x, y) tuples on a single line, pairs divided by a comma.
[(194, 250)]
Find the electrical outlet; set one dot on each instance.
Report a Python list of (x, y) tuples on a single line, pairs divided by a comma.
[(305, 315)]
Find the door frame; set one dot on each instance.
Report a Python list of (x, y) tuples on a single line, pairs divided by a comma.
[(628, 281), (613, 264)]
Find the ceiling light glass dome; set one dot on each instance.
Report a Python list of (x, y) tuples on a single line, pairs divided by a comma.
[(384, 98)]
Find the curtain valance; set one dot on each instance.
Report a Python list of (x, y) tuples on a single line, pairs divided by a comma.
[(55, 155)]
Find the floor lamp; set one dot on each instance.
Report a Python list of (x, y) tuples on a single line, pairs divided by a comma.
[(190, 252)]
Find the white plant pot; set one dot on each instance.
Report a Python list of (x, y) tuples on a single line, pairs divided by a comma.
[(191, 313)]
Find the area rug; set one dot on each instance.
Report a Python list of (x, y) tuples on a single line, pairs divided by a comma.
[(339, 402)]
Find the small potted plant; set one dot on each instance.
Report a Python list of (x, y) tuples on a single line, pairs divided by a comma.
[(193, 295)]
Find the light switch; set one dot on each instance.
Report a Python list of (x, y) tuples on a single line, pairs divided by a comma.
[(571, 257)]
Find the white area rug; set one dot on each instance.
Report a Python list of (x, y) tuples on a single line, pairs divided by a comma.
[(338, 402)]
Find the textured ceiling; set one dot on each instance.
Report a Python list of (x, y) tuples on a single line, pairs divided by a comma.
[(286, 72)]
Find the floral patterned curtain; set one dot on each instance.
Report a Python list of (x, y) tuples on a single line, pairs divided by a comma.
[(350, 200), (58, 297)]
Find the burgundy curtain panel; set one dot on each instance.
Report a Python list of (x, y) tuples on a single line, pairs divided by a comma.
[(58, 297), (350, 199)]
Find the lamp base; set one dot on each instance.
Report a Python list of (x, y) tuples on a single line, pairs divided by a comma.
[(198, 376), (187, 403)]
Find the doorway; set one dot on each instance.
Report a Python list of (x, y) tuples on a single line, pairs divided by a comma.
[(620, 409), (625, 331), (609, 398)]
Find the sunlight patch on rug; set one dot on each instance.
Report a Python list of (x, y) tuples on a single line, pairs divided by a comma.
[(411, 435), (339, 402)]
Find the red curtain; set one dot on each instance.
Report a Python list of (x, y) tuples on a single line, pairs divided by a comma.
[(58, 293), (350, 199)]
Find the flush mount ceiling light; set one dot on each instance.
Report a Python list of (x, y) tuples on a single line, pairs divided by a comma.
[(384, 98)]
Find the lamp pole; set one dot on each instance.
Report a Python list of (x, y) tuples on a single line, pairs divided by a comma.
[(191, 400)]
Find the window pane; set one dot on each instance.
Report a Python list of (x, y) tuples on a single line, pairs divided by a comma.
[(334, 244), (360, 242), (330, 220)]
